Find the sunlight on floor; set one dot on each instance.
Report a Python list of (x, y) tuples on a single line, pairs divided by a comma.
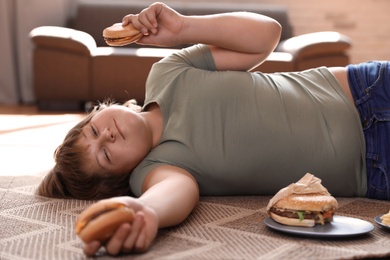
[(27, 142), (20, 122)]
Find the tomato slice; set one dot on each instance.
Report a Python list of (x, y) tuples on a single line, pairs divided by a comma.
[(328, 215)]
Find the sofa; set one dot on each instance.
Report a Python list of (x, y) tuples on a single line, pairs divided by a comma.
[(73, 66)]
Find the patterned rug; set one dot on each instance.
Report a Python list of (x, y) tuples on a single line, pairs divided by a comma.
[(33, 227)]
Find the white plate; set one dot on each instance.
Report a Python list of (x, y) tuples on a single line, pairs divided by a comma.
[(379, 221), (339, 227)]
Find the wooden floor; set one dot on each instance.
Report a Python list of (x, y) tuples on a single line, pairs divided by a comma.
[(26, 110), (28, 138), (15, 109)]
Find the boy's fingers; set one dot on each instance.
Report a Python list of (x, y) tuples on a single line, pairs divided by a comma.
[(141, 243), (115, 244), (90, 249), (127, 19), (134, 19), (137, 226), (139, 25), (151, 22)]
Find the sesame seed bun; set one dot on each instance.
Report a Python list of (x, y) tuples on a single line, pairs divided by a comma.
[(310, 202)]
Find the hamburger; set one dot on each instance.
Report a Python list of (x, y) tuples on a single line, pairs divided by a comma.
[(102, 219), (386, 219), (118, 35), (304, 210)]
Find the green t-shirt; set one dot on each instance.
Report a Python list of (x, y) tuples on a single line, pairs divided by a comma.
[(242, 133)]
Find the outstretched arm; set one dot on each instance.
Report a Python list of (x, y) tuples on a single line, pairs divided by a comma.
[(170, 194), (238, 40)]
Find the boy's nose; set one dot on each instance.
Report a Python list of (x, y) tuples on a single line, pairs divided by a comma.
[(109, 135)]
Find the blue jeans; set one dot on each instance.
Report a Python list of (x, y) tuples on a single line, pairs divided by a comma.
[(370, 86)]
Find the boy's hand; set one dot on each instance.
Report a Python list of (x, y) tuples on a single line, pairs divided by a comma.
[(130, 237), (160, 24)]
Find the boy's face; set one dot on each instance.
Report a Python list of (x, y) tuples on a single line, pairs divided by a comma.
[(116, 140)]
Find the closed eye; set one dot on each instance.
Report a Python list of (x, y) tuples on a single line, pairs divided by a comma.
[(106, 154), (94, 131)]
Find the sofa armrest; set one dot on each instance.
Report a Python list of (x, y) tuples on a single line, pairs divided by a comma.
[(61, 38), (315, 44)]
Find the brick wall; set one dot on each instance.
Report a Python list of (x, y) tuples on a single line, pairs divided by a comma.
[(366, 22)]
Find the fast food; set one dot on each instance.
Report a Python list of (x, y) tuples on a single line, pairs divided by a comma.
[(386, 219), (101, 220), (305, 210), (305, 203), (118, 35)]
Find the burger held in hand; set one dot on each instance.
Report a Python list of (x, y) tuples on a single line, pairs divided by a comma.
[(102, 219), (118, 35), (305, 203)]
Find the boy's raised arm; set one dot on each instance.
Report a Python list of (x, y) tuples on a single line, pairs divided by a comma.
[(238, 40)]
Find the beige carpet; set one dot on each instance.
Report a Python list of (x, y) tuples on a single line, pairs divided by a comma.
[(220, 228)]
